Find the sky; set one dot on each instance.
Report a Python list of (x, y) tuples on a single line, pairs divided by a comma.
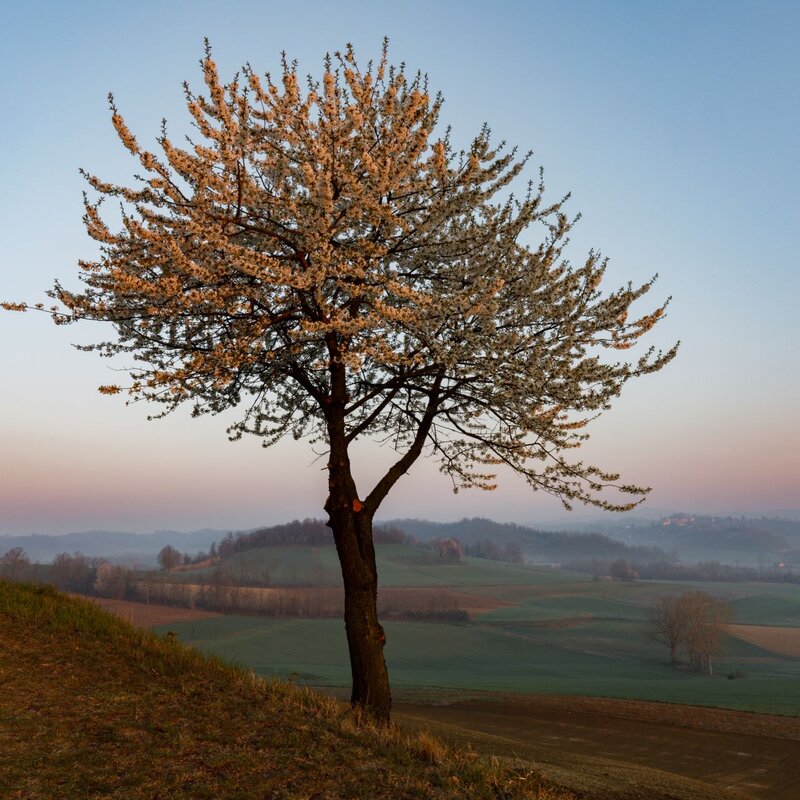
[(673, 125)]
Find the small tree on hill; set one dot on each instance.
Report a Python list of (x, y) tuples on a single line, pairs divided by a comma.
[(14, 563), (448, 549), (327, 262), (169, 557)]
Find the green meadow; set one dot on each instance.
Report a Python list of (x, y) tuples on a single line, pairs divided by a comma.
[(564, 634), (398, 565)]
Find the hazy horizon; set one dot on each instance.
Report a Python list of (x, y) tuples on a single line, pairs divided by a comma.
[(566, 520)]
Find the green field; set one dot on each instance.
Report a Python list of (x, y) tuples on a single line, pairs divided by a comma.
[(567, 637), (768, 609), (398, 566)]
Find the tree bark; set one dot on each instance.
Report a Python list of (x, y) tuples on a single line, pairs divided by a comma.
[(352, 532), (351, 523)]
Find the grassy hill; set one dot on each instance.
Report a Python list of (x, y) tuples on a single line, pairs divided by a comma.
[(537, 544), (398, 565), (94, 708)]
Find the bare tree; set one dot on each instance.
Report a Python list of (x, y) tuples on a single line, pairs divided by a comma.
[(169, 557), (326, 262), (14, 564), (694, 621), (667, 619), (707, 619), (512, 551), (73, 572)]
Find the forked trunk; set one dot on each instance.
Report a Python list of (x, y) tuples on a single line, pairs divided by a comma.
[(351, 521), (351, 524)]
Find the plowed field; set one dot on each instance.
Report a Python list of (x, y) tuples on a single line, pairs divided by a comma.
[(149, 615), (785, 641), (590, 740)]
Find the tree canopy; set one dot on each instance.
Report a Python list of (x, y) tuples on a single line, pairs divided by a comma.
[(335, 226)]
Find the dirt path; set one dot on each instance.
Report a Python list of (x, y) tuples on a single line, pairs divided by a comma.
[(593, 745)]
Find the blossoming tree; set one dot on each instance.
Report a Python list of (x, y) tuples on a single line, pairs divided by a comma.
[(325, 261)]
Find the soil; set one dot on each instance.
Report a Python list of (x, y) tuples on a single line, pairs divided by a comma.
[(624, 748), (785, 641), (146, 615)]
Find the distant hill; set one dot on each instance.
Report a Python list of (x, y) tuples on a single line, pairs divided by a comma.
[(550, 545), (727, 539), (141, 548), (309, 532), (694, 537)]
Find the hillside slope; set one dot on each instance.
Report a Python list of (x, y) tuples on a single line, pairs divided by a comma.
[(94, 708)]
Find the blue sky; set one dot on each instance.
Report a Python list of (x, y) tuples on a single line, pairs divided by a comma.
[(673, 124)]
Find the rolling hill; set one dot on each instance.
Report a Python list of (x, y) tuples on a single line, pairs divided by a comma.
[(94, 708)]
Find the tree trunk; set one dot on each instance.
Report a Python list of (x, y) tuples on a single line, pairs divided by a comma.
[(365, 637), (350, 518), (351, 524)]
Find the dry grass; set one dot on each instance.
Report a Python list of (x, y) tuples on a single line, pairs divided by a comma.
[(94, 708)]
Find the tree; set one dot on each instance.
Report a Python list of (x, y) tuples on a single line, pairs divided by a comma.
[(512, 551), (111, 580), (621, 570), (667, 619), (448, 549), (169, 557), (74, 572), (695, 621), (14, 563), (325, 261), (707, 620)]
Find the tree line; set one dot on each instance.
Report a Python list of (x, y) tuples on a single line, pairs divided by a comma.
[(670, 569), (308, 532), (70, 572)]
